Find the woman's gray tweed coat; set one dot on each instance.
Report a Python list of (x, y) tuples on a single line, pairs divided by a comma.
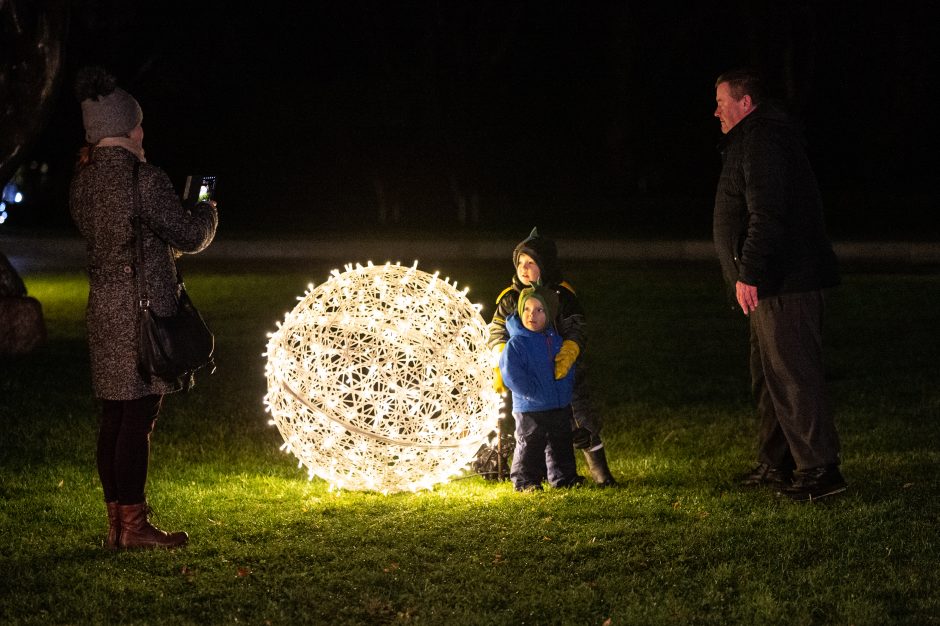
[(102, 205)]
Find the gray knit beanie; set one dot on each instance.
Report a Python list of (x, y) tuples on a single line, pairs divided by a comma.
[(107, 110)]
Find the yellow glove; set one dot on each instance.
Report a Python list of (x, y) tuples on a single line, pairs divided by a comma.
[(565, 358), (498, 385)]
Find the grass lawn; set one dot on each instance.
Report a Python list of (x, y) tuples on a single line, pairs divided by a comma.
[(677, 543)]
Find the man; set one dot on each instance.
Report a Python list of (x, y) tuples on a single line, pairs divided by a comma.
[(774, 253)]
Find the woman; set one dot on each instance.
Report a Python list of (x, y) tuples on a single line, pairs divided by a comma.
[(101, 201)]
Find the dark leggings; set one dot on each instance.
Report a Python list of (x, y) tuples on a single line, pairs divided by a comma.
[(124, 447)]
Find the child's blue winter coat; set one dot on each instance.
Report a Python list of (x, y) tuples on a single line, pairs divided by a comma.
[(527, 365)]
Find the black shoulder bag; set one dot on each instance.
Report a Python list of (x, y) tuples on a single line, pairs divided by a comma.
[(174, 347)]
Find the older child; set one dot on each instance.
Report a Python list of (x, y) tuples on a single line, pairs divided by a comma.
[(541, 403), (536, 259)]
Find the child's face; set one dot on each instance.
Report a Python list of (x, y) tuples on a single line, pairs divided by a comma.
[(527, 269), (533, 315)]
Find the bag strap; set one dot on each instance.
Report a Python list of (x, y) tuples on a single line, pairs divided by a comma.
[(143, 300)]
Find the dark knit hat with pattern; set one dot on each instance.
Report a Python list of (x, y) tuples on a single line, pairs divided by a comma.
[(107, 110), (543, 252)]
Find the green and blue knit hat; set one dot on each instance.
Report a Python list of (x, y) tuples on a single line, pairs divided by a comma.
[(543, 294)]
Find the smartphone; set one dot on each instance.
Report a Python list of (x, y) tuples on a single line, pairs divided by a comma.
[(198, 189)]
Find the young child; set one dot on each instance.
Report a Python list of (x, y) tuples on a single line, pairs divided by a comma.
[(536, 259), (541, 403)]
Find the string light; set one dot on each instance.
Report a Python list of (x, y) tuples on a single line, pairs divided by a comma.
[(380, 379)]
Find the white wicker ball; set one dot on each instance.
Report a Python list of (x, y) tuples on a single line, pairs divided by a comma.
[(380, 379)]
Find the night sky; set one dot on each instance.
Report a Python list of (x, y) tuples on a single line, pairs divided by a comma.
[(578, 116)]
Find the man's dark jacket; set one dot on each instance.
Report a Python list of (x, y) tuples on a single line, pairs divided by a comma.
[(768, 224)]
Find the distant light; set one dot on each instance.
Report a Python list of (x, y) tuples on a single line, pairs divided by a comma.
[(380, 379), (11, 193)]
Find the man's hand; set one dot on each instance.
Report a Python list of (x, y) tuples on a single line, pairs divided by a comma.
[(565, 358), (747, 296)]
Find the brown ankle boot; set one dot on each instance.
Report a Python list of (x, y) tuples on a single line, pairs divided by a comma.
[(138, 532), (114, 527)]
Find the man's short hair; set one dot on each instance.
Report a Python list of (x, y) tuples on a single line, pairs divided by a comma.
[(743, 82)]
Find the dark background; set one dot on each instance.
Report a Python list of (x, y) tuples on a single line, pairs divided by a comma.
[(449, 116)]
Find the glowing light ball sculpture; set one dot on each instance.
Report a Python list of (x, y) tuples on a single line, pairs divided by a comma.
[(380, 379)]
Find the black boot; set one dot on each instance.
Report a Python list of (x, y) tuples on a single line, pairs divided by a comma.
[(597, 464), (815, 483)]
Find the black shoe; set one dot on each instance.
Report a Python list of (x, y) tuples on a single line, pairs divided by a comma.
[(597, 464), (815, 483), (764, 475), (569, 483)]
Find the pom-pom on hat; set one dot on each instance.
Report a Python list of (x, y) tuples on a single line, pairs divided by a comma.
[(107, 110), (543, 294), (544, 252)]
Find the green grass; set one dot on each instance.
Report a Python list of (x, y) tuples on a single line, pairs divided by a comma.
[(677, 544)]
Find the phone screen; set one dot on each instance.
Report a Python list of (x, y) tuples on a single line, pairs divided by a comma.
[(206, 189), (198, 189)]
